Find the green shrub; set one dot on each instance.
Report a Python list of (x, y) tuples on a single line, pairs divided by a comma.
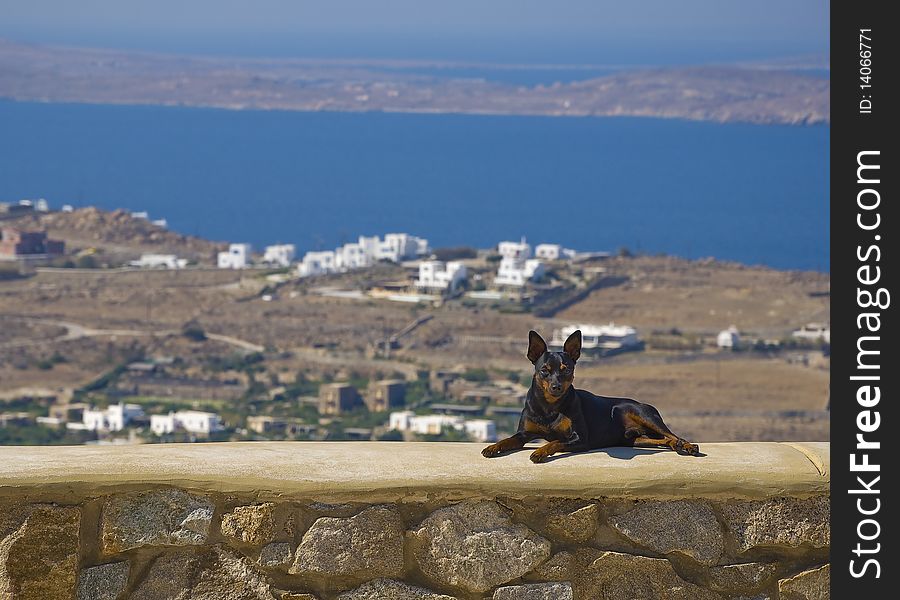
[(478, 374), (194, 332)]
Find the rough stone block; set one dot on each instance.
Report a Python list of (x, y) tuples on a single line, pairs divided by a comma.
[(740, 577), (274, 555), (808, 585), (475, 546), (685, 526), (167, 517), (39, 553), (103, 582), (365, 546), (569, 521), (231, 577), (170, 576), (615, 576), (382, 589), (576, 526), (557, 568), (253, 524), (535, 591), (203, 574), (780, 522)]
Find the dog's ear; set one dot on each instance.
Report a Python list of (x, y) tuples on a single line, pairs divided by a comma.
[(536, 346), (572, 347)]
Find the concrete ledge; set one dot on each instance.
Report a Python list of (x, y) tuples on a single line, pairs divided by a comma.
[(396, 471), (358, 521)]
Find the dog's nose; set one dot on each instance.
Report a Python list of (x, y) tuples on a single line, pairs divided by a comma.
[(555, 387)]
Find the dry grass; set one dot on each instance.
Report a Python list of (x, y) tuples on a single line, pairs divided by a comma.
[(710, 384), (706, 297), (715, 399), (662, 293)]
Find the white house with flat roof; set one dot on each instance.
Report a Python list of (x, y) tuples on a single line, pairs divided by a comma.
[(365, 252), (553, 252), (236, 257), (598, 337), (516, 265), (438, 275), (729, 338), (113, 418), (515, 272), (358, 255), (480, 430), (814, 331), (520, 250), (190, 421), (159, 261), (280, 255), (397, 247), (317, 263)]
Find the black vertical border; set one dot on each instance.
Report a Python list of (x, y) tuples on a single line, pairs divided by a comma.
[(853, 132)]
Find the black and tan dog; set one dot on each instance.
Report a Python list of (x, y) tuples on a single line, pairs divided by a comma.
[(574, 420)]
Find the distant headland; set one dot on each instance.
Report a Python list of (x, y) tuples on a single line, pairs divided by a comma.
[(759, 94)]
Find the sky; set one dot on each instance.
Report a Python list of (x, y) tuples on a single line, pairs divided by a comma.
[(503, 30)]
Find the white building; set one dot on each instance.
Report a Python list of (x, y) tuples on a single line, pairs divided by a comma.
[(397, 247), (281, 255), (190, 421), (516, 250), (114, 418), (729, 338), (553, 252), (598, 337), (317, 263), (814, 331), (481, 430), (356, 255), (42, 205), (401, 420), (517, 272), (237, 257), (365, 252), (438, 275), (159, 261), (67, 208)]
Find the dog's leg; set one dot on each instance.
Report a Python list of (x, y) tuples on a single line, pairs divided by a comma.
[(550, 448), (513, 442), (648, 441), (656, 433)]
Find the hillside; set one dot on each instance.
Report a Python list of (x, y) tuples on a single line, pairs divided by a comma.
[(117, 234), (64, 328), (744, 93)]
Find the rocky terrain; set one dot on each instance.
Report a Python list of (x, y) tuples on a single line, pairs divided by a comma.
[(710, 93), (117, 233)]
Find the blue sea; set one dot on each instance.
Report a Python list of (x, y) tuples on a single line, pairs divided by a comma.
[(751, 193)]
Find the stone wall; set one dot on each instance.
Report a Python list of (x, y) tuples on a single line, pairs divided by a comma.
[(112, 529)]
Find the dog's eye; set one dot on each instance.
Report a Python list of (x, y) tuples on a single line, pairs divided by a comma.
[(544, 373)]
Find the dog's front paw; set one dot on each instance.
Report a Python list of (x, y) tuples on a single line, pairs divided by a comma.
[(491, 451), (539, 456), (685, 448)]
